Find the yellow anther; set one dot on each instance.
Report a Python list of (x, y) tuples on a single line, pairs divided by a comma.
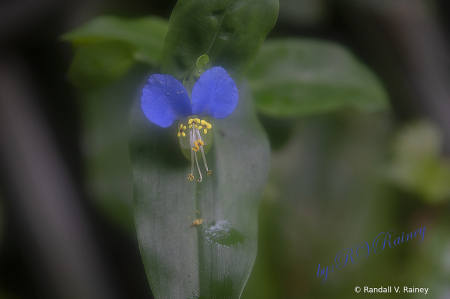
[(181, 131), (197, 145), (206, 124), (197, 222), (195, 139)]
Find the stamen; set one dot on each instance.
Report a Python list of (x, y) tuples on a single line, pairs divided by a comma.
[(196, 143), (198, 167), (181, 131), (208, 172), (191, 175)]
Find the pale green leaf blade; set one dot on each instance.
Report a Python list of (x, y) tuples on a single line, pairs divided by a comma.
[(145, 34), (100, 62), (230, 32), (214, 259), (292, 77)]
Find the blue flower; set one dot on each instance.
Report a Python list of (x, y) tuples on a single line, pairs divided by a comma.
[(165, 99)]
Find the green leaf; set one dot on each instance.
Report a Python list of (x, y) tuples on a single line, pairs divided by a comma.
[(214, 259), (99, 63), (108, 175), (201, 63), (146, 35), (326, 192), (292, 77), (230, 32)]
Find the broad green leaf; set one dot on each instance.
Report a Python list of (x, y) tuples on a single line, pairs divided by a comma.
[(293, 77), (214, 259), (326, 192), (230, 32), (145, 34), (107, 167), (100, 62)]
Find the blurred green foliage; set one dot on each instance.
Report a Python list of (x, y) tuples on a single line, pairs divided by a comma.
[(104, 145), (100, 62), (230, 32), (107, 47), (223, 248), (340, 171), (329, 189), (326, 192), (418, 166), (213, 260), (296, 77)]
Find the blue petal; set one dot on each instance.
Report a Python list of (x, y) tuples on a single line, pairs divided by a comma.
[(214, 94), (165, 99)]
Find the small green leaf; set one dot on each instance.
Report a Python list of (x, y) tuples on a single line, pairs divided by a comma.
[(293, 77), (146, 35), (100, 62), (230, 32), (214, 259), (201, 63)]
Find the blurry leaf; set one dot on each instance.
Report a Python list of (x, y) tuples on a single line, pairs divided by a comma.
[(99, 63), (299, 77), (214, 259), (431, 266), (146, 35), (325, 193), (418, 166), (230, 32), (108, 173)]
